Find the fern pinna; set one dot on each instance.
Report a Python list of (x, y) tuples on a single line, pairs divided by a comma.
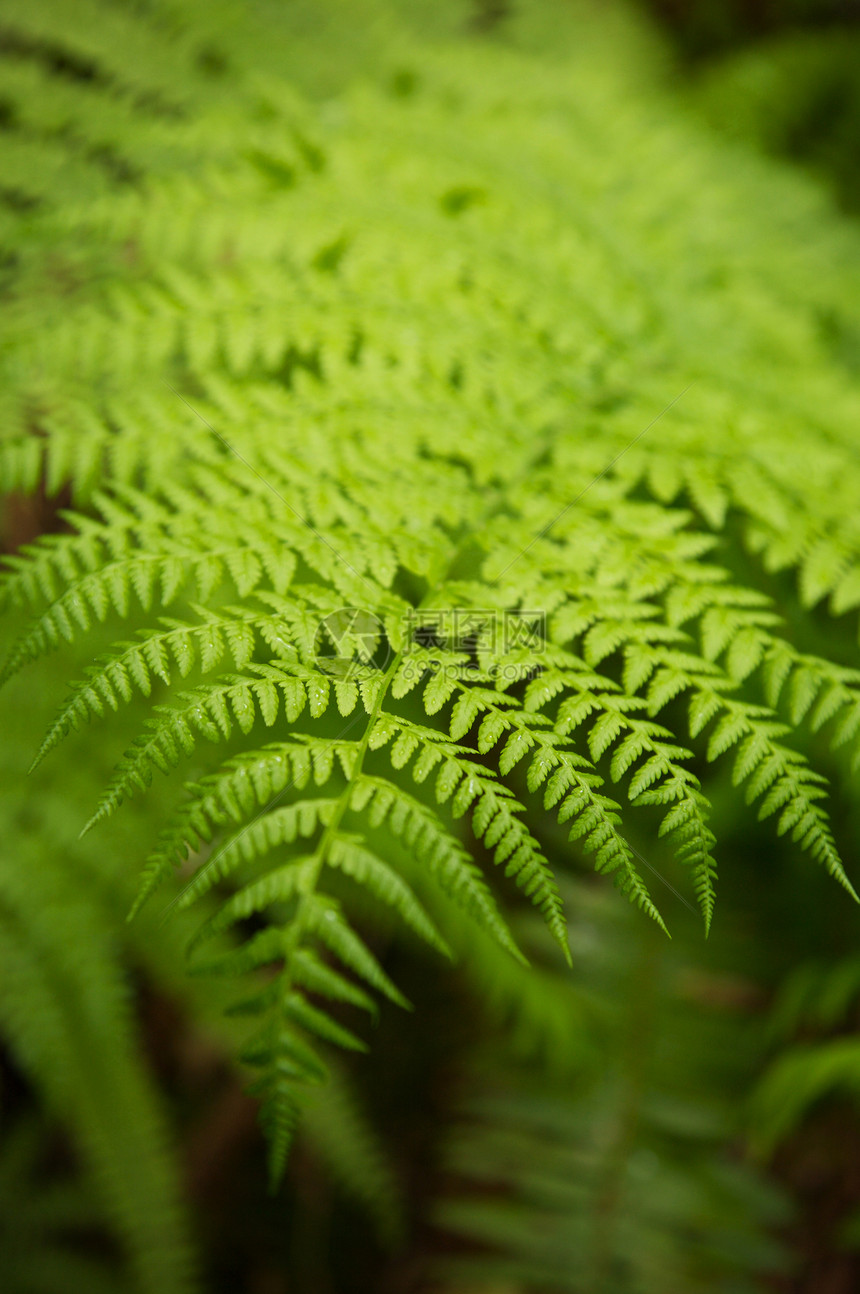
[(440, 461)]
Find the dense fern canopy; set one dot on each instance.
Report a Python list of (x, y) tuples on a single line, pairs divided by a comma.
[(435, 417)]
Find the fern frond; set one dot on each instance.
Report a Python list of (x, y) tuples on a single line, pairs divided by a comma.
[(436, 849), (214, 711), (340, 414), (63, 1009), (768, 767)]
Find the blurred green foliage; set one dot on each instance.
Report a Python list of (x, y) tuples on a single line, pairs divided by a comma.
[(780, 75)]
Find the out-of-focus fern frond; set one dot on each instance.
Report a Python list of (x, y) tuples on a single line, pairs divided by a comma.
[(620, 1179)]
